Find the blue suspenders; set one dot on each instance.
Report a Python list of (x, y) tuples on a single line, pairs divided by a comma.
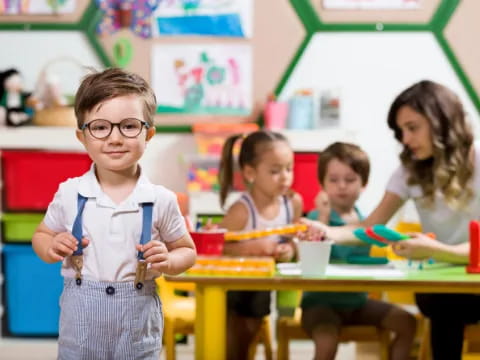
[(146, 226), (77, 232), (144, 238)]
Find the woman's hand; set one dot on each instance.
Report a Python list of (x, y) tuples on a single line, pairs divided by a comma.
[(418, 247), (315, 230)]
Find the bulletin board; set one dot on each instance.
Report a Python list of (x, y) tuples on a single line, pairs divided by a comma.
[(281, 31), (272, 19), (136, 52)]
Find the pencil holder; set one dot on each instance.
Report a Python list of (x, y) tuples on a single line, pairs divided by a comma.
[(275, 115), (300, 113)]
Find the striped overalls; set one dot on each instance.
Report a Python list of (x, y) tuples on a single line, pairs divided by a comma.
[(110, 320)]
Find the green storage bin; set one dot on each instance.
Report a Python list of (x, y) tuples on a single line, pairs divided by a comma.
[(20, 227)]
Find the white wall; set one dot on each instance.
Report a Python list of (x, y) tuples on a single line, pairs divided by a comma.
[(31, 51), (370, 69)]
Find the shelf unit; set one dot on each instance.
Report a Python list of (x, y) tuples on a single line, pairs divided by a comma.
[(40, 137), (63, 138)]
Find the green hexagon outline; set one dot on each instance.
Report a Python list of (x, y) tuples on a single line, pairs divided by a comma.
[(87, 25), (312, 23)]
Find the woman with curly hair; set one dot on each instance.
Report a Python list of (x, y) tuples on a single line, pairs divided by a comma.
[(440, 172)]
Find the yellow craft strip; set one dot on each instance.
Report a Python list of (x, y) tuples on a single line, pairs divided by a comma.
[(246, 235)]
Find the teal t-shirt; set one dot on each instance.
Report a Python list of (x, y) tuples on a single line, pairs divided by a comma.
[(348, 300)]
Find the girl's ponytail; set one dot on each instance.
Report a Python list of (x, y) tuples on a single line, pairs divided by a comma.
[(225, 174)]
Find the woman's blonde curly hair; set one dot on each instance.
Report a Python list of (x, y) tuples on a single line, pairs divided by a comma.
[(449, 171)]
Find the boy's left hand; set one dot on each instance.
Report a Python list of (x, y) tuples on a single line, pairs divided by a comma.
[(284, 252), (156, 253)]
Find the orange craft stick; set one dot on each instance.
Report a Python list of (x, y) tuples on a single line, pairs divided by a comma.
[(282, 230)]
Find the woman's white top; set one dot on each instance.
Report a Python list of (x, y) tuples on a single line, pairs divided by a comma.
[(449, 225)]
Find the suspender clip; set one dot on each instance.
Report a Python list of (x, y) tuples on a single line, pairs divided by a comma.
[(77, 263), (140, 274)]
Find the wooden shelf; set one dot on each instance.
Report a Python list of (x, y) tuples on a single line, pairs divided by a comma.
[(39, 137)]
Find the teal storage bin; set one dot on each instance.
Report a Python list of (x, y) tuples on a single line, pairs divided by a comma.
[(32, 292)]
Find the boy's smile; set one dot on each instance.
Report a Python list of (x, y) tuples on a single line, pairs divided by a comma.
[(116, 152)]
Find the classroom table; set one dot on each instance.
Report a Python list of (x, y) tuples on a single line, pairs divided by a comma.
[(210, 336)]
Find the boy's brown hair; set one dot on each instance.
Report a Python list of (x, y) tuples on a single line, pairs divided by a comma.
[(349, 154), (111, 83)]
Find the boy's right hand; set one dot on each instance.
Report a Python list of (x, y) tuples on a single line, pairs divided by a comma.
[(322, 204), (63, 245)]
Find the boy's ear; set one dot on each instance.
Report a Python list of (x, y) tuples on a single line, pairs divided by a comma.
[(80, 136), (150, 133)]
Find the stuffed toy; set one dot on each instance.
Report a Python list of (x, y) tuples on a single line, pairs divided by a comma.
[(16, 105)]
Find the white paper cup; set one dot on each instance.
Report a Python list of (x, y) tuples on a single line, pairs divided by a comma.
[(314, 257)]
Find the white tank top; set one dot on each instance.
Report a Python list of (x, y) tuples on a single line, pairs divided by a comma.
[(257, 222)]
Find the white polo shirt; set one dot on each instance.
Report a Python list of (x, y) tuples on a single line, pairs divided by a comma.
[(113, 230)]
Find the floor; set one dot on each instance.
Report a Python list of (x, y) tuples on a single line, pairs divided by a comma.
[(46, 349)]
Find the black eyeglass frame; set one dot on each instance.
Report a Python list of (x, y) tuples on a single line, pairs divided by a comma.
[(112, 125)]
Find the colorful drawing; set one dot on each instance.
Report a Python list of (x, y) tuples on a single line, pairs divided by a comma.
[(197, 79), (133, 14), (16, 7), (204, 17)]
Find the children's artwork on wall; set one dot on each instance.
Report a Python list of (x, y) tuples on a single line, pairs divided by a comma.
[(231, 18), (37, 7), (203, 79), (133, 14), (371, 4)]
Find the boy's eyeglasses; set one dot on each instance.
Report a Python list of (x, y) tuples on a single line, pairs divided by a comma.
[(101, 128)]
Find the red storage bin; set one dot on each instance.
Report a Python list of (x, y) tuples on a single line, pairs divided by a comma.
[(305, 180), (31, 178), (208, 243)]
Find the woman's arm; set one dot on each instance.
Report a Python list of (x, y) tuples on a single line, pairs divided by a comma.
[(421, 247), (344, 234)]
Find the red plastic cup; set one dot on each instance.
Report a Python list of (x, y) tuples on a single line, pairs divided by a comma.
[(209, 243)]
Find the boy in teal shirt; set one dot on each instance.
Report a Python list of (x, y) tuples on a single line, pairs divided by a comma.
[(343, 171)]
